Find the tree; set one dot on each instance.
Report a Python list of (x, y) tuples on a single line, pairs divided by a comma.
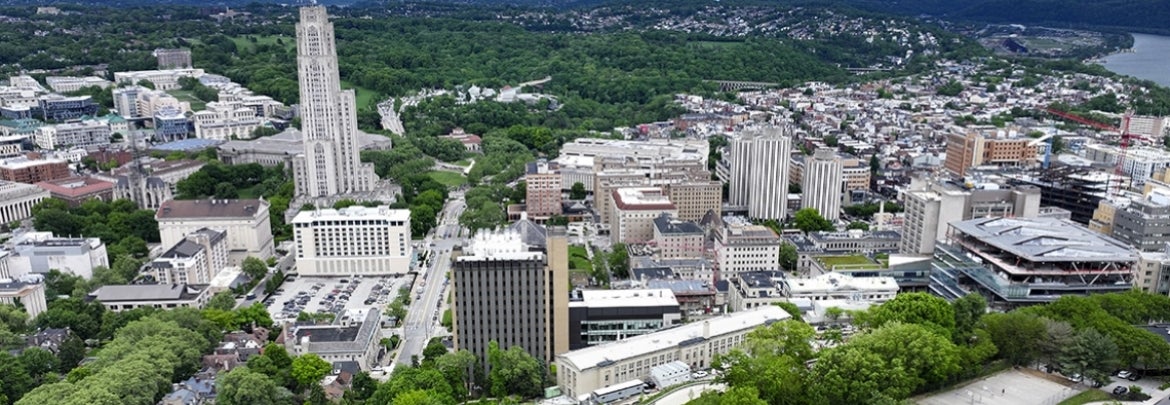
[(513, 372), (952, 88), (788, 256), (1016, 334), (309, 369), (254, 314), (776, 379), (407, 379), (788, 338), (917, 308), (362, 387), (577, 192), (274, 363), (13, 318), (422, 397), (223, 300), (519, 193), (850, 374), (809, 220), (1055, 336), (457, 367), (969, 309), (317, 395), (858, 225), (226, 190), (243, 386), (254, 268), (71, 352), (434, 349), (619, 260), (833, 314), (39, 362), (1092, 355), (733, 396), (15, 379), (791, 309), (557, 220)]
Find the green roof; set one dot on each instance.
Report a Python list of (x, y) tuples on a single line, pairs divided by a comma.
[(23, 124), (831, 261), (115, 118)]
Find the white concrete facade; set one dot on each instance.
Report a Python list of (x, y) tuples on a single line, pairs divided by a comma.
[(580, 372), (634, 210), (821, 184), (74, 134), (226, 121), (17, 200), (69, 84), (352, 241), (764, 157), (41, 252), (161, 79)]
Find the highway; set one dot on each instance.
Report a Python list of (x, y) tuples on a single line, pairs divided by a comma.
[(423, 316)]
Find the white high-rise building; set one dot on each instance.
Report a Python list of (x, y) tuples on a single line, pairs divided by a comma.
[(821, 184), (330, 164), (766, 163), (740, 178), (352, 241)]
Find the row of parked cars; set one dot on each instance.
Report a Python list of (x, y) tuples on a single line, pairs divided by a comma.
[(292, 307)]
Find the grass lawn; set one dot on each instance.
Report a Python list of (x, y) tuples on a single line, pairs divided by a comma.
[(579, 259), (248, 193), (449, 179), (1087, 397), (184, 95), (365, 97), (463, 163), (831, 261), (244, 43)]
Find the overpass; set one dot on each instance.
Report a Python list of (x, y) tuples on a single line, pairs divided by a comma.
[(733, 85)]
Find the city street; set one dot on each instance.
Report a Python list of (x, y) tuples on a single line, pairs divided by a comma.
[(422, 319)]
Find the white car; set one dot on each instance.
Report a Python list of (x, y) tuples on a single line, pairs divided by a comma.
[(1125, 374), (699, 374)]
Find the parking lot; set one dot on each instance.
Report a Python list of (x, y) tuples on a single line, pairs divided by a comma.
[(332, 295)]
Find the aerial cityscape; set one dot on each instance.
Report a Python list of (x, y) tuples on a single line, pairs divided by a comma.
[(583, 203)]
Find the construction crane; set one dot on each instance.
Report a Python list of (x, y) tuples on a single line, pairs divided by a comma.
[(1047, 152), (1126, 137)]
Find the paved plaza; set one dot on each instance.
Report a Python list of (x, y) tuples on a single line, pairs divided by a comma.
[(1011, 387)]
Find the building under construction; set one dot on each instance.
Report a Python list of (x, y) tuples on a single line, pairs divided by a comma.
[(1076, 189), (1020, 261)]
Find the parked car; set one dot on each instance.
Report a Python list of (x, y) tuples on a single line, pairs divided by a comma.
[(699, 374), (1120, 390), (1126, 374)]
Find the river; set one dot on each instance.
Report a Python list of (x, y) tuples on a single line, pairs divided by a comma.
[(1150, 59)]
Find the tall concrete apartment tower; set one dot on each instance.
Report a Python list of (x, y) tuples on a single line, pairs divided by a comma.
[(739, 187), (330, 164), (513, 293), (767, 185), (821, 183)]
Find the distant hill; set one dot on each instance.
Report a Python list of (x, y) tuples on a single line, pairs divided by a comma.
[(1147, 14)]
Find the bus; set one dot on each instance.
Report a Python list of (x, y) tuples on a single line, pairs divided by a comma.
[(616, 392)]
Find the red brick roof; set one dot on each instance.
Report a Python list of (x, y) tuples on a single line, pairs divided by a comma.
[(76, 186)]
